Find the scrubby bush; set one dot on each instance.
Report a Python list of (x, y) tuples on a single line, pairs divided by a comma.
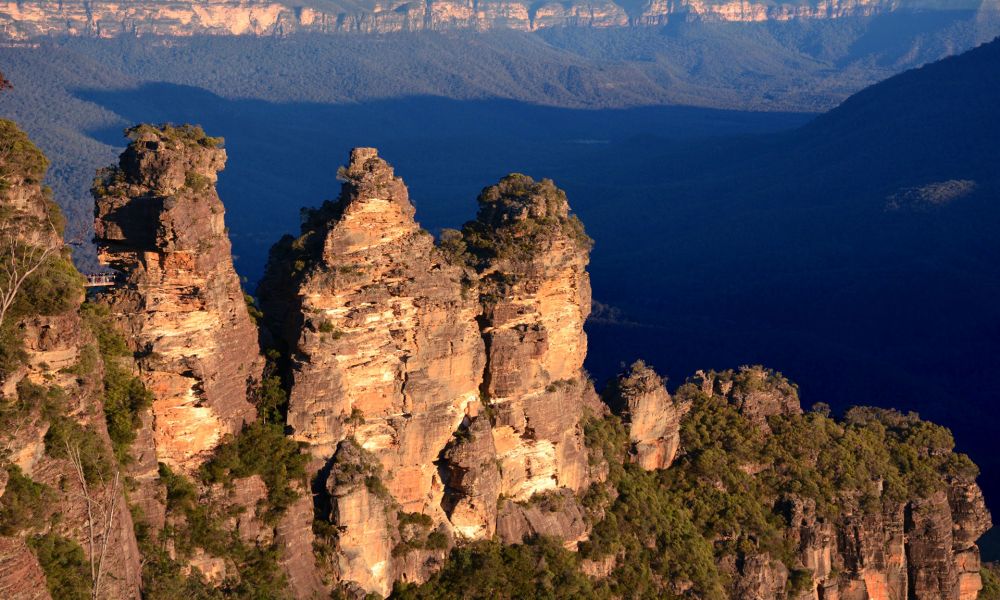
[(66, 435), (125, 396), (67, 572), (541, 568), (262, 449), (203, 525), (23, 503)]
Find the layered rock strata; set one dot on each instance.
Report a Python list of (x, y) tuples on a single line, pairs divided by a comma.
[(53, 434), (531, 256), (29, 19), (652, 417), (160, 226), (420, 357), (384, 348)]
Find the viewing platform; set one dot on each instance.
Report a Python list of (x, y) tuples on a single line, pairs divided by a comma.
[(95, 280)]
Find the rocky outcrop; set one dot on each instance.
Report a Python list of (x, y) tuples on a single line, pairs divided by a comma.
[(459, 373), (160, 225), (556, 514), (531, 256), (21, 577), (756, 392), (29, 19), (52, 426), (362, 512), (472, 481), (382, 336), (919, 549), (383, 343), (652, 417)]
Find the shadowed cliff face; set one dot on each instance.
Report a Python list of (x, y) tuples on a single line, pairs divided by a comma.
[(23, 20), (160, 226)]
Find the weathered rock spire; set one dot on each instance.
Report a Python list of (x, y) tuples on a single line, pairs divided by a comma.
[(385, 353), (532, 254), (160, 223)]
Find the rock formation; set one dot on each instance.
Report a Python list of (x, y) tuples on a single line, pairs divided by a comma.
[(652, 418), (160, 225), (28, 19), (757, 392), (385, 333), (438, 392), (908, 551), (531, 255), (55, 451), (383, 342)]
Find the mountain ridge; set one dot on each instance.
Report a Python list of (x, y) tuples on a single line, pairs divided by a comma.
[(24, 20)]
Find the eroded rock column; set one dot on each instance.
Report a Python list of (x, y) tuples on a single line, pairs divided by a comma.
[(160, 223)]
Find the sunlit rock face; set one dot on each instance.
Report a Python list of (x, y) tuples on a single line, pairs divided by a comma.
[(57, 356), (413, 352), (652, 417), (385, 344), (531, 255), (381, 334), (33, 18), (160, 224)]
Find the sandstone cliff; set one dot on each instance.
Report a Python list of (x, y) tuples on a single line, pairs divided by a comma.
[(531, 256), (62, 495), (652, 417), (384, 350), (384, 333), (28, 19), (435, 401), (160, 226)]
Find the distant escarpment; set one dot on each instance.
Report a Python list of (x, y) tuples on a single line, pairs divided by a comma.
[(419, 423), (28, 19)]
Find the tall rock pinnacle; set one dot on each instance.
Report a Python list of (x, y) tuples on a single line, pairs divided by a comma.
[(160, 223), (532, 257), (384, 349)]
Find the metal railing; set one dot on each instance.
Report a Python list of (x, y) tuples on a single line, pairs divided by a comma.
[(100, 279)]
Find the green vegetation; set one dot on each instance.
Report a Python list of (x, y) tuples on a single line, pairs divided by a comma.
[(489, 570), (197, 182), (65, 435), (517, 218), (54, 288), (23, 505), (256, 315), (416, 533), (19, 156), (724, 498), (188, 135), (990, 573), (49, 401), (261, 448), (67, 572), (125, 397), (198, 522), (648, 522)]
